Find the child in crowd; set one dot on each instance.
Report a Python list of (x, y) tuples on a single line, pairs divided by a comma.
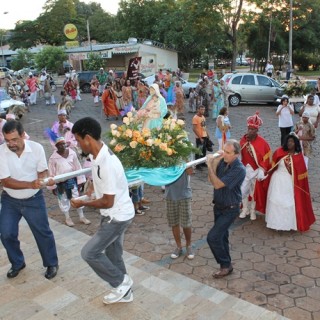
[(137, 199)]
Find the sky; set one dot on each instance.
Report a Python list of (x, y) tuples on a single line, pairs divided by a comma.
[(30, 10)]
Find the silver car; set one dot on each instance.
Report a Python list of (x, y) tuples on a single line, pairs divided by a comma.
[(251, 88)]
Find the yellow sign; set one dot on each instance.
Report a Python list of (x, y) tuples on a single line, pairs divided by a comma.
[(70, 31), (71, 44)]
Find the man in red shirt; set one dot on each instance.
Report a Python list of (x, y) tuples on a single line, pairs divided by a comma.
[(255, 156)]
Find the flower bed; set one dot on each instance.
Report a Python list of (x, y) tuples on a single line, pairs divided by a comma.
[(160, 147)]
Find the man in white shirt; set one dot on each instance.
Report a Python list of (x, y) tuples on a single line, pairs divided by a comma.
[(103, 252), (269, 69), (23, 167)]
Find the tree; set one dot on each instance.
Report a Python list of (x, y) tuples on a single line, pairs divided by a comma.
[(51, 58), (94, 62), (22, 59), (25, 35), (231, 12), (57, 13)]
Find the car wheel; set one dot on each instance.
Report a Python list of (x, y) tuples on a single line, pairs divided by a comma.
[(234, 100), (297, 106), (86, 88)]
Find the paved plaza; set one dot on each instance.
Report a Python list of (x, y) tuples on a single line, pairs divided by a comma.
[(276, 274)]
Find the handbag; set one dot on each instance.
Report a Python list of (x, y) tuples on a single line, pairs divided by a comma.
[(209, 145)]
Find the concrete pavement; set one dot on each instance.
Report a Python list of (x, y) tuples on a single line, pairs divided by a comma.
[(278, 271)]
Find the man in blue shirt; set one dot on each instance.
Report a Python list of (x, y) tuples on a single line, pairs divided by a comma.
[(226, 174)]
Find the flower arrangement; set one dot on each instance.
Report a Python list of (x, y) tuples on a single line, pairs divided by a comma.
[(296, 88), (160, 147)]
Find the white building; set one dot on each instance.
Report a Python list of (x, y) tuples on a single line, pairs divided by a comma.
[(154, 55)]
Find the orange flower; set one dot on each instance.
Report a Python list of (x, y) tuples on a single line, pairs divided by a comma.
[(169, 151), (163, 146), (136, 134), (119, 147)]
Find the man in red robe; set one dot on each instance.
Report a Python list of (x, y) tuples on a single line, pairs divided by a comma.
[(255, 156)]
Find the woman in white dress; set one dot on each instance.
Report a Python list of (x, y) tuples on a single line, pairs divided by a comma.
[(312, 109), (288, 201)]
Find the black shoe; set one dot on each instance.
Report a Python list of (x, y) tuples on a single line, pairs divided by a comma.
[(12, 273), (51, 272)]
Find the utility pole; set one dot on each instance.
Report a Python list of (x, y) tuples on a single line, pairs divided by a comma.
[(290, 34)]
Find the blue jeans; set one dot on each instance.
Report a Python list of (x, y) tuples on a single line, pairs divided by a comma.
[(103, 252), (137, 194), (218, 236), (35, 213)]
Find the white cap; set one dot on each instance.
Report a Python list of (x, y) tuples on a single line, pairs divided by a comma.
[(306, 114), (30, 74), (110, 71), (62, 112)]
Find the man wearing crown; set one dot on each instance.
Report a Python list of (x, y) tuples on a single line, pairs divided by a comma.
[(255, 155)]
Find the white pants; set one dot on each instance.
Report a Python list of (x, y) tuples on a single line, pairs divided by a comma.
[(64, 202), (33, 97), (247, 187)]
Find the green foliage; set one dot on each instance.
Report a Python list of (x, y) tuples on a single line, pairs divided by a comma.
[(51, 58), (25, 35), (94, 62), (22, 60)]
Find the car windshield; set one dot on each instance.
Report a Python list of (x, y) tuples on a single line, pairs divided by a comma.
[(275, 83)]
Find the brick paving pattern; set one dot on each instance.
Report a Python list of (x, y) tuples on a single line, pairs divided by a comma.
[(276, 270)]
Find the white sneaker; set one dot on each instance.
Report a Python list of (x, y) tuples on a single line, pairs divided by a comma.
[(253, 215), (119, 292), (245, 212), (128, 297), (84, 220), (69, 222)]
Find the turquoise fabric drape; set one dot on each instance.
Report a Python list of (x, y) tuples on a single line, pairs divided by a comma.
[(156, 176)]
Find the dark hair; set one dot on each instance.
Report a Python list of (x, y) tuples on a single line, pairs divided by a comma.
[(11, 126), (297, 145), (284, 98), (87, 126), (223, 110)]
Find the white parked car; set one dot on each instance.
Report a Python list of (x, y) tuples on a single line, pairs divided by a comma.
[(186, 85), (7, 104), (6, 71)]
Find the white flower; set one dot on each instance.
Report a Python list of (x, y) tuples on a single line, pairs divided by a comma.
[(180, 122), (126, 120), (113, 126), (129, 115), (149, 142), (113, 142)]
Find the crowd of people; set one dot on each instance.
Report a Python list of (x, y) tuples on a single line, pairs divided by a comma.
[(120, 95), (246, 176)]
